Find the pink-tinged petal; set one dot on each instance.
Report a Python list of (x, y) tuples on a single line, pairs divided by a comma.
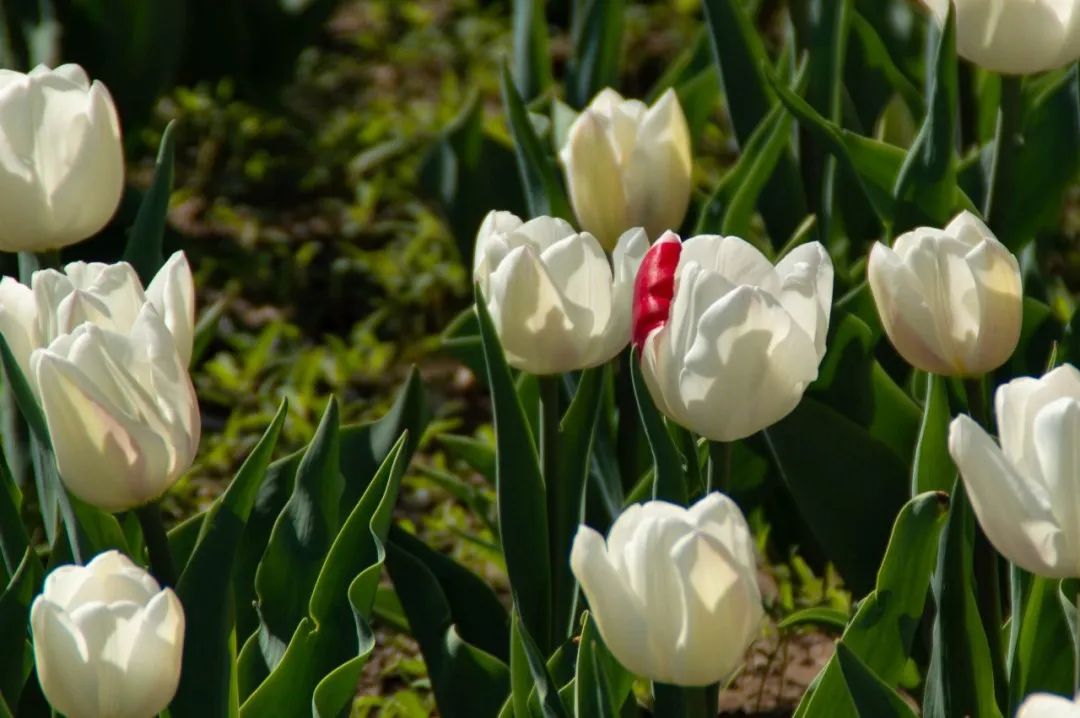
[(654, 287)]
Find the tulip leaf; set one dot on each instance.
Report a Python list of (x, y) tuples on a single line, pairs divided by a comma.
[(597, 29), (601, 684), (461, 340), (543, 190), (875, 56), (321, 665), (566, 491), (15, 601), (669, 482), (958, 635), (741, 58), (146, 236), (302, 534), (926, 186), (822, 616), (1042, 660), (478, 454), (13, 536), (848, 498), (1048, 159), (871, 696), (883, 628), (529, 672), (532, 61), (443, 601), (522, 503), (204, 588), (934, 469)]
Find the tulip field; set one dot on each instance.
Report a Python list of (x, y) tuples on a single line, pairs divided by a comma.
[(540, 358)]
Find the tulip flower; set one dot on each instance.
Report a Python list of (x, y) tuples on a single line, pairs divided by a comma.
[(61, 159), (950, 300), (1024, 491), (673, 591), (557, 301), (108, 363), (628, 165), (1045, 705), (729, 342), (107, 295), (107, 640), (1014, 37)]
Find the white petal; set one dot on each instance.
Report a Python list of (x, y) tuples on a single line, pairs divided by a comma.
[(1016, 514), (152, 671), (61, 656), (738, 261), (1016, 405), (1001, 305), (657, 175), (594, 179), (1045, 705), (806, 283), (1057, 444), (172, 292)]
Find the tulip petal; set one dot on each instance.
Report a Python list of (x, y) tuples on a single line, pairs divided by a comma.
[(1018, 402), (580, 269), (614, 608), (1057, 444), (806, 284), (657, 173), (1015, 514), (494, 228), (1045, 705), (152, 671), (172, 292), (1001, 305), (594, 179), (720, 517), (738, 261), (18, 320), (1018, 38), (61, 656)]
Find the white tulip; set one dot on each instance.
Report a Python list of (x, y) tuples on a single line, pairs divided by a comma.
[(950, 300), (107, 295), (674, 591), (108, 363), (729, 342), (557, 301), (1015, 37), (1045, 705), (628, 165), (1025, 491), (61, 158), (107, 640)]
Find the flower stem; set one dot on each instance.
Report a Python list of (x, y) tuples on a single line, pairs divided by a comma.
[(719, 467), (1006, 143), (558, 530), (157, 544), (670, 701)]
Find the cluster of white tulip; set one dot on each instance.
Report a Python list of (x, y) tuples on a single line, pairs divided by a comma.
[(107, 361)]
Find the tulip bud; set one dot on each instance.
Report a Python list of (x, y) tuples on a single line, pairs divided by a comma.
[(1024, 492), (1014, 37), (674, 591), (107, 640), (1046, 705), (628, 165), (557, 301), (61, 159), (728, 342), (108, 363), (950, 300)]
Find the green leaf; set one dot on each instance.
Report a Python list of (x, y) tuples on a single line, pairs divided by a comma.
[(669, 482), (958, 635), (740, 57), (529, 671), (926, 186), (13, 537), (1042, 660), (479, 455), (532, 61), (881, 633), (204, 588), (144, 245), (206, 329), (872, 697), (522, 503), (461, 340), (566, 492), (934, 469), (597, 40), (821, 616), (876, 56), (848, 498), (1048, 159), (601, 685), (467, 681), (544, 192), (322, 663), (15, 601), (302, 534)]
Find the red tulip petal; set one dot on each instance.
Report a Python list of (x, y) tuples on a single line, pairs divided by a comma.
[(654, 287)]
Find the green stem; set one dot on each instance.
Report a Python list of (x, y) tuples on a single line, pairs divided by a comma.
[(1006, 144), (1076, 649), (157, 544), (671, 701), (719, 467), (986, 563), (30, 262), (559, 538)]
